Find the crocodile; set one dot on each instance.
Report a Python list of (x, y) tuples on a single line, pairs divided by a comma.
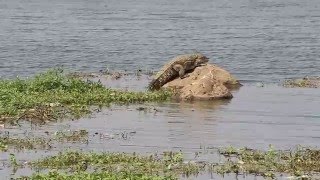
[(177, 67)]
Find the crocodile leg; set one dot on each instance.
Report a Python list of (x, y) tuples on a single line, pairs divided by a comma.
[(181, 70)]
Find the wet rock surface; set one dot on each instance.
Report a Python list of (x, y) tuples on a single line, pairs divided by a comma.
[(207, 82), (306, 82)]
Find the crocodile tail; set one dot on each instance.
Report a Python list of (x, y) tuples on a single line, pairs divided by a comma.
[(154, 85)]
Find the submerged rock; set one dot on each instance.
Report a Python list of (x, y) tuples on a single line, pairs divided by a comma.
[(306, 82), (207, 82)]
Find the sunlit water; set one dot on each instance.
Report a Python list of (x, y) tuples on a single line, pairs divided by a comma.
[(260, 40)]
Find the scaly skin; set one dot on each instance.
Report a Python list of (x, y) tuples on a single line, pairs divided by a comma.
[(177, 67)]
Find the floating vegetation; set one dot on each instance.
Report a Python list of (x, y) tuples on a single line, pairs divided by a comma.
[(72, 165), (3, 146), (53, 95), (40, 114), (306, 82), (301, 162), (82, 75), (21, 143), (148, 109), (94, 176), (72, 136), (24, 143)]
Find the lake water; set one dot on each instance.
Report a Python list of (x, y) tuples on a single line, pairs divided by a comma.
[(256, 40), (259, 40)]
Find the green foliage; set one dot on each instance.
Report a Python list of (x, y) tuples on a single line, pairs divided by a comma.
[(3, 145), (302, 163), (22, 143), (95, 175), (297, 162), (13, 160), (59, 94), (72, 136), (131, 166)]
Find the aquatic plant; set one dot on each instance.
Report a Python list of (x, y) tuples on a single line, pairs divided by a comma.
[(72, 136), (298, 162), (23, 143), (13, 160), (95, 175), (169, 166), (17, 142), (3, 146), (306, 82), (53, 95)]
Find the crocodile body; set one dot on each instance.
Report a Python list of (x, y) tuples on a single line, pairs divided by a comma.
[(177, 67)]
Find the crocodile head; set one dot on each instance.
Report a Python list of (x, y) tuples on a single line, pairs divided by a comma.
[(201, 59)]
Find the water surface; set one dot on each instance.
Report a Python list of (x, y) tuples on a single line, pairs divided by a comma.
[(255, 40)]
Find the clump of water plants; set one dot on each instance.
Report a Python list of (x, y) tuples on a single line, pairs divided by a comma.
[(72, 136), (300, 162), (17, 142), (72, 165), (53, 95), (306, 82), (95, 175), (3, 146), (23, 143)]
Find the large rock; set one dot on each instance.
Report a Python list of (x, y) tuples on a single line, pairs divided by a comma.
[(204, 83)]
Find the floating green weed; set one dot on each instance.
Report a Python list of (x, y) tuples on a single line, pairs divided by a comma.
[(169, 166), (13, 160), (72, 136), (301, 163), (96, 175), (306, 82), (298, 162), (3, 146), (52, 95), (23, 143), (20, 143)]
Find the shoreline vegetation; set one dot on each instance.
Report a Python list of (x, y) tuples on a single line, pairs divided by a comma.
[(298, 163), (54, 95)]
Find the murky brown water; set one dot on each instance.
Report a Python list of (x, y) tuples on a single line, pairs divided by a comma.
[(256, 117)]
